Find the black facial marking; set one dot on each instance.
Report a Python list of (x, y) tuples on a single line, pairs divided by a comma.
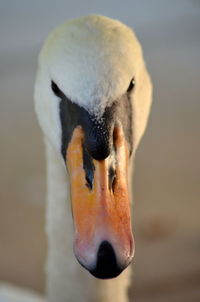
[(98, 133), (124, 114)]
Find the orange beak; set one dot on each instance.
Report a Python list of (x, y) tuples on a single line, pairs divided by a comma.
[(101, 213)]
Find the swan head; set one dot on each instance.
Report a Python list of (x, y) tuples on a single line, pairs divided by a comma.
[(92, 97)]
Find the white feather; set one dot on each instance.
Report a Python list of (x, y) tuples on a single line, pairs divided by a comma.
[(92, 60), (10, 293)]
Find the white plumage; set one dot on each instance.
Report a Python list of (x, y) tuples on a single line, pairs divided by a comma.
[(92, 60), (10, 293)]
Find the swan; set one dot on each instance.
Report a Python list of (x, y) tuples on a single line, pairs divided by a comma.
[(92, 100)]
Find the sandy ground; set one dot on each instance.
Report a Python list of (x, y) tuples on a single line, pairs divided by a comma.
[(167, 171)]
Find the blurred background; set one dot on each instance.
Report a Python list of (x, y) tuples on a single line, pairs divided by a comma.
[(167, 170)]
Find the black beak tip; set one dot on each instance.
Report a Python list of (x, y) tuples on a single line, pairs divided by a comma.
[(106, 266)]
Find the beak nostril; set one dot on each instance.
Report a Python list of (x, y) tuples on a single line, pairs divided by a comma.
[(112, 178), (89, 168), (115, 134)]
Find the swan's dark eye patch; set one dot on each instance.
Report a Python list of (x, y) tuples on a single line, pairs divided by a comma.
[(131, 85), (55, 89)]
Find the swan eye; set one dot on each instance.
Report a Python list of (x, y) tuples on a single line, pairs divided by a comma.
[(131, 85), (55, 89)]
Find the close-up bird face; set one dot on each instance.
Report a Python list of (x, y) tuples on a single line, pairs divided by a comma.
[(96, 151), (85, 92)]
